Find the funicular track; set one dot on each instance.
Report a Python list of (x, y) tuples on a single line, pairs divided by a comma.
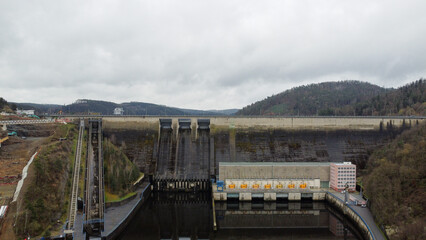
[(94, 206), (76, 177)]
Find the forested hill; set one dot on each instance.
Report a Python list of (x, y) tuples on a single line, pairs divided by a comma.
[(395, 182), (86, 106), (406, 100), (5, 106), (345, 98), (315, 99)]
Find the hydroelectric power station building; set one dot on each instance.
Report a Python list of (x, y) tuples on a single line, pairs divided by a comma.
[(290, 180)]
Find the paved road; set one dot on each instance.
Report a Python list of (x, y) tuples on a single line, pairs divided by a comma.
[(366, 214)]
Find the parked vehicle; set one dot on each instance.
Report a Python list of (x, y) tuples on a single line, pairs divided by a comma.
[(33, 116)]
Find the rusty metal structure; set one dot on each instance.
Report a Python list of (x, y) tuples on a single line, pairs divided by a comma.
[(94, 206)]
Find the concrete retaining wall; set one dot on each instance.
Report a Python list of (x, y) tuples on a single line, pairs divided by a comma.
[(119, 203), (349, 212), (114, 234)]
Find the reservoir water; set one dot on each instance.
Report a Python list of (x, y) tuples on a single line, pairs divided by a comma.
[(190, 216)]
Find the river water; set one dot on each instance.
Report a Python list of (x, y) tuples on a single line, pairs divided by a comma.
[(190, 216)]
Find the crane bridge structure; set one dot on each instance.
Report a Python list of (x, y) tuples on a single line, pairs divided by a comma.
[(94, 206)]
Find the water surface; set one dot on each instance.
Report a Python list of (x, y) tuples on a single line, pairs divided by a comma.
[(189, 216)]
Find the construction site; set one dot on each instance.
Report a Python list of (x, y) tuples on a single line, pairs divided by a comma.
[(17, 144)]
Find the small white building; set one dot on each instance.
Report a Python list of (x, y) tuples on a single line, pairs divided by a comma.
[(118, 111), (24, 112)]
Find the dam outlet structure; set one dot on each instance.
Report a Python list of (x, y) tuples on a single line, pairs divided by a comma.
[(183, 156)]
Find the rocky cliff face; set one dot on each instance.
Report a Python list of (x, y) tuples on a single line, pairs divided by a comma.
[(142, 147), (299, 146)]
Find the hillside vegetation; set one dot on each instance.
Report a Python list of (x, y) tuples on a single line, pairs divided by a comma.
[(345, 98), (407, 100), (396, 184), (120, 172), (5, 106), (46, 198), (315, 99)]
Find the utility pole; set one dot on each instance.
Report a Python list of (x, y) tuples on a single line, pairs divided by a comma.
[(346, 193), (26, 218)]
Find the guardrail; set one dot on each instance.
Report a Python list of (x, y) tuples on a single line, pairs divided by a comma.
[(16, 122), (370, 233)]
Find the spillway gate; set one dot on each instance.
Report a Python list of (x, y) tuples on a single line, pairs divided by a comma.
[(183, 156)]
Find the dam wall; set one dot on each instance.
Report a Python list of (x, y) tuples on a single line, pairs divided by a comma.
[(250, 122), (194, 152)]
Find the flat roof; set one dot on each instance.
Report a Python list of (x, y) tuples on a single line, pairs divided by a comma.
[(343, 163), (274, 163)]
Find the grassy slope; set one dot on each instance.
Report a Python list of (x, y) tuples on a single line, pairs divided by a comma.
[(396, 184), (46, 199)]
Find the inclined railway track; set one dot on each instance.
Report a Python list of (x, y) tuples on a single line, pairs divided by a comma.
[(76, 177)]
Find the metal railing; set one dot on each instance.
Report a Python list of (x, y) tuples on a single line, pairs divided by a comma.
[(17, 122), (347, 205)]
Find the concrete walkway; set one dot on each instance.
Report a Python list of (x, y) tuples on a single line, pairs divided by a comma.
[(113, 215), (365, 214)]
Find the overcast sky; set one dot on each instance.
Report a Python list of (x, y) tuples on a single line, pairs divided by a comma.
[(203, 54)]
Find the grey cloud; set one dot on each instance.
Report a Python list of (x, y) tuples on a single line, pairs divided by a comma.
[(203, 54)]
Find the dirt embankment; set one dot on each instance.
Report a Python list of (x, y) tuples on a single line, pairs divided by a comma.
[(33, 130), (14, 155)]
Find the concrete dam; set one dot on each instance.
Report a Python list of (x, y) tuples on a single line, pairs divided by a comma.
[(183, 153)]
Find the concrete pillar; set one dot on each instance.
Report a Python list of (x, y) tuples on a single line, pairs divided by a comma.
[(245, 196), (318, 196), (232, 144), (219, 196), (270, 196), (211, 159), (294, 196)]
